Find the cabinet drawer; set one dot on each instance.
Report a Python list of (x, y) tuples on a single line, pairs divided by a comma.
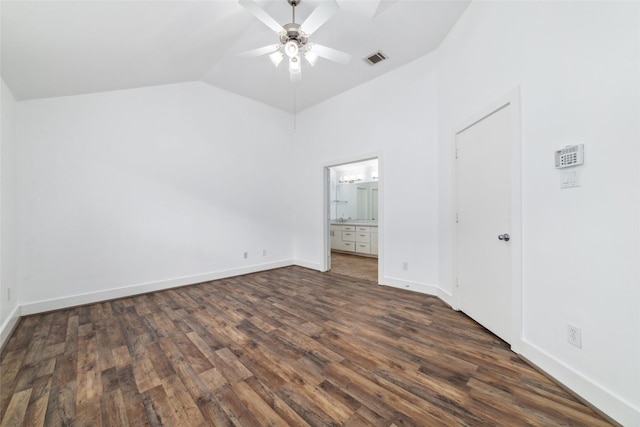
[(363, 229), (363, 248), (348, 228), (363, 237), (348, 246), (348, 236)]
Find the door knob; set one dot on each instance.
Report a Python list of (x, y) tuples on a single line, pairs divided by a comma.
[(504, 237)]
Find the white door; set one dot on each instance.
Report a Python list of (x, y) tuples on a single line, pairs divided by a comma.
[(483, 252)]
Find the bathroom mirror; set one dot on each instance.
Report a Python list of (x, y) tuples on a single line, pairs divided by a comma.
[(357, 200)]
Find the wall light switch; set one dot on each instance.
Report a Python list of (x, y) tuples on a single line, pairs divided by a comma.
[(570, 178)]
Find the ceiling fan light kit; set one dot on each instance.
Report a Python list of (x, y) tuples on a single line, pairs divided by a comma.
[(294, 40), (276, 58)]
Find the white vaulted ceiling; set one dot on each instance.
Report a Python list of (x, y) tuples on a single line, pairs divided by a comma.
[(60, 48)]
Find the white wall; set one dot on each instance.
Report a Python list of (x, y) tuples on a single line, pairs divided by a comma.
[(9, 312), (393, 116), (147, 188), (578, 69), (147, 185)]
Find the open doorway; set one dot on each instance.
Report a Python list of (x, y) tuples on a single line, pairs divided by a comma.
[(353, 236)]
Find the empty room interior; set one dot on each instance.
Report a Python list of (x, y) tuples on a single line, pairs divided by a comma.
[(320, 212)]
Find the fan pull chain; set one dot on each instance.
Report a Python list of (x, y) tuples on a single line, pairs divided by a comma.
[(294, 109)]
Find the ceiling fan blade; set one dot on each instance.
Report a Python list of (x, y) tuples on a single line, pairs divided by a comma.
[(330, 54), (259, 13), (265, 50), (318, 17), (383, 6)]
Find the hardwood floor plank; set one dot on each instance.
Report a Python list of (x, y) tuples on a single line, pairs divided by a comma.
[(161, 365), (289, 346), (330, 405), (121, 356), (286, 413), (191, 353), (87, 412), (17, 408), (305, 408), (145, 375), (110, 380), (58, 331), (88, 378), (113, 409), (134, 405), (198, 390), (9, 369), (213, 379), (158, 407), (233, 407), (232, 363), (184, 408), (264, 413), (38, 341), (61, 409), (103, 343), (38, 402)]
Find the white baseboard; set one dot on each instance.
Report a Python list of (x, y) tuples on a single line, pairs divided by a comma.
[(308, 264), (93, 297), (410, 286), (621, 411), (7, 327), (447, 298)]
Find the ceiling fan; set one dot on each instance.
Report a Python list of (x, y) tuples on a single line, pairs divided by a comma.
[(294, 38)]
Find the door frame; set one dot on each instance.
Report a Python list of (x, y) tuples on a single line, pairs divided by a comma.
[(326, 212), (512, 100)]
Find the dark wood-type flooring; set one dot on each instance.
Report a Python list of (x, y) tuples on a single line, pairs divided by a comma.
[(285, 347), (360, 267)]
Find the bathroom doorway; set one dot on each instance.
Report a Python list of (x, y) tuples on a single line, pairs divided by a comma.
[(352, 208)]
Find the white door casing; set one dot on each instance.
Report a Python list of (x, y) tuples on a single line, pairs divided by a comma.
[(326, 228), (487, 196)]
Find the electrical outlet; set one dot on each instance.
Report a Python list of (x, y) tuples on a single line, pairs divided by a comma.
[(574, 335), (246, 255), (264, 252), (405, 266), (8, 294)]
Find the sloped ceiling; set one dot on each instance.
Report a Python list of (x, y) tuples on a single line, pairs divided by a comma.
[(60, 48)]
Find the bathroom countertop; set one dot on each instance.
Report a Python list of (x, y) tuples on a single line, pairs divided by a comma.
[(370, 223)]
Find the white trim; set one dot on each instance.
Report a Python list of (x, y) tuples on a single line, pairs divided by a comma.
[(512, 99), (626, 413), (422, 288), (94, 297), (326, 239), (9, 324), (381, 215), (326, 223), (446, 297), (308, 264)]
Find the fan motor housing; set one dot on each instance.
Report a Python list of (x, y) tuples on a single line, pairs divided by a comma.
[(292, 32)]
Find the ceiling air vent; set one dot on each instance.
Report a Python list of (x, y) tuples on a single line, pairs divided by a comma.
[(376, 57)]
